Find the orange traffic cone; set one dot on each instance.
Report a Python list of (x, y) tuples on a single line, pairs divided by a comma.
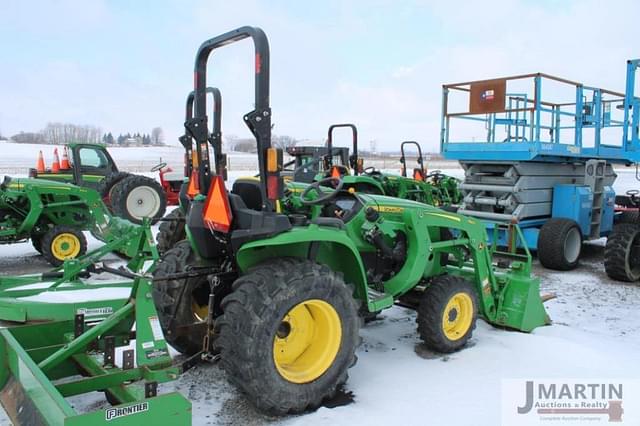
[(55, 166), (40, 163), (64, 165)]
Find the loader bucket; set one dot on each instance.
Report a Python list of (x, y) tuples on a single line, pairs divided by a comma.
[(519, 304), (521, 307)]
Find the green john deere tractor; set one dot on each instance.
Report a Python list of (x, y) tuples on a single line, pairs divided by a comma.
[(53, 215), (445, 191), (435, 188), (275, 281), (132, 197)]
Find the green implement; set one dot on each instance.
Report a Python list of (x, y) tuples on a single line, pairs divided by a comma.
[(42, 364), (79, 285)]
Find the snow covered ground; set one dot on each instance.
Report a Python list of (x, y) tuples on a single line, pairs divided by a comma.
[(595, 334)]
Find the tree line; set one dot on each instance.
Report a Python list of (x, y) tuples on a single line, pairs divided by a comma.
[(65, 133), (155, 138), (235, 143)]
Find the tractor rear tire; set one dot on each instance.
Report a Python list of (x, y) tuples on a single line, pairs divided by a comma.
[(288, 334), (182, 304), (622, 253), (447, 313), (560, 244), (63, 242), (632, 217), (106, 185), (171, 230), (137, 197)]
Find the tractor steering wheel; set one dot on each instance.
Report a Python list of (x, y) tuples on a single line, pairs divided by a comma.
[(323, 196), (436, 174), (159, 166), (633, 192), (371, 171)]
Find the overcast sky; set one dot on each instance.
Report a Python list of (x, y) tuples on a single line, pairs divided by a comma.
[(127, 66)]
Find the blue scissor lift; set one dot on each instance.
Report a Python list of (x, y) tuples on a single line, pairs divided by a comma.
[(539, 151)]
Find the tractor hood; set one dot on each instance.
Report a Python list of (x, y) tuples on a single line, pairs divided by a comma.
[(20, 183)]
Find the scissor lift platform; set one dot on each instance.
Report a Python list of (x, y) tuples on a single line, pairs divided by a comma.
[(514, 119)]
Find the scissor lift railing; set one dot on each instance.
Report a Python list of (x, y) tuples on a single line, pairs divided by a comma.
[(527, 125)]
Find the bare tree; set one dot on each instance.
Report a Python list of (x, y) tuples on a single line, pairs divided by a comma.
[(157, 136), (245, 145), (28, 137), (283, 142), (64, 133)]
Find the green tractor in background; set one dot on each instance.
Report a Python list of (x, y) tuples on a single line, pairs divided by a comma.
[(444, 188), (274, 280), (310, 161), (53, 215), (435, 188), (132, 197)]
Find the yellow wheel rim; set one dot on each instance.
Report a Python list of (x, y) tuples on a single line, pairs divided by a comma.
[(65, 246), (307, 341), (457, 316)]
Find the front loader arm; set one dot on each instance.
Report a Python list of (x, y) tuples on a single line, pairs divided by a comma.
[(509, 296)]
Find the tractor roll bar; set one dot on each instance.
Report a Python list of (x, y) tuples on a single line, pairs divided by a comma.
[(353, 158), (258, 120), (403, 157), (217, 106), (216, 133)]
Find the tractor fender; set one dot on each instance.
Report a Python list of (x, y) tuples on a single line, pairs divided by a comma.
[(323, 244)]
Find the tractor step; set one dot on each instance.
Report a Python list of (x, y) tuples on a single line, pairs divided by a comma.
[(377, 300)]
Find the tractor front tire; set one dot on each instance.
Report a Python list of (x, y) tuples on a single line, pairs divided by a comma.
[(62, 242), (622, 253), (182, 304), (560, 244), (447, 313), (137, 197), (171, 230), (288, 334)]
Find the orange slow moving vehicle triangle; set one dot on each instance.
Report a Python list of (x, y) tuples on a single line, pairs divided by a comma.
[(217, 212)]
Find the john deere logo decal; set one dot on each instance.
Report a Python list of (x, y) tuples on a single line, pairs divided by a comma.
[(114, 413), (389, 209)]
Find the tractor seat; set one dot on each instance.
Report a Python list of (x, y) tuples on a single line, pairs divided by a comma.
[(248, 189), (250, 224)]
